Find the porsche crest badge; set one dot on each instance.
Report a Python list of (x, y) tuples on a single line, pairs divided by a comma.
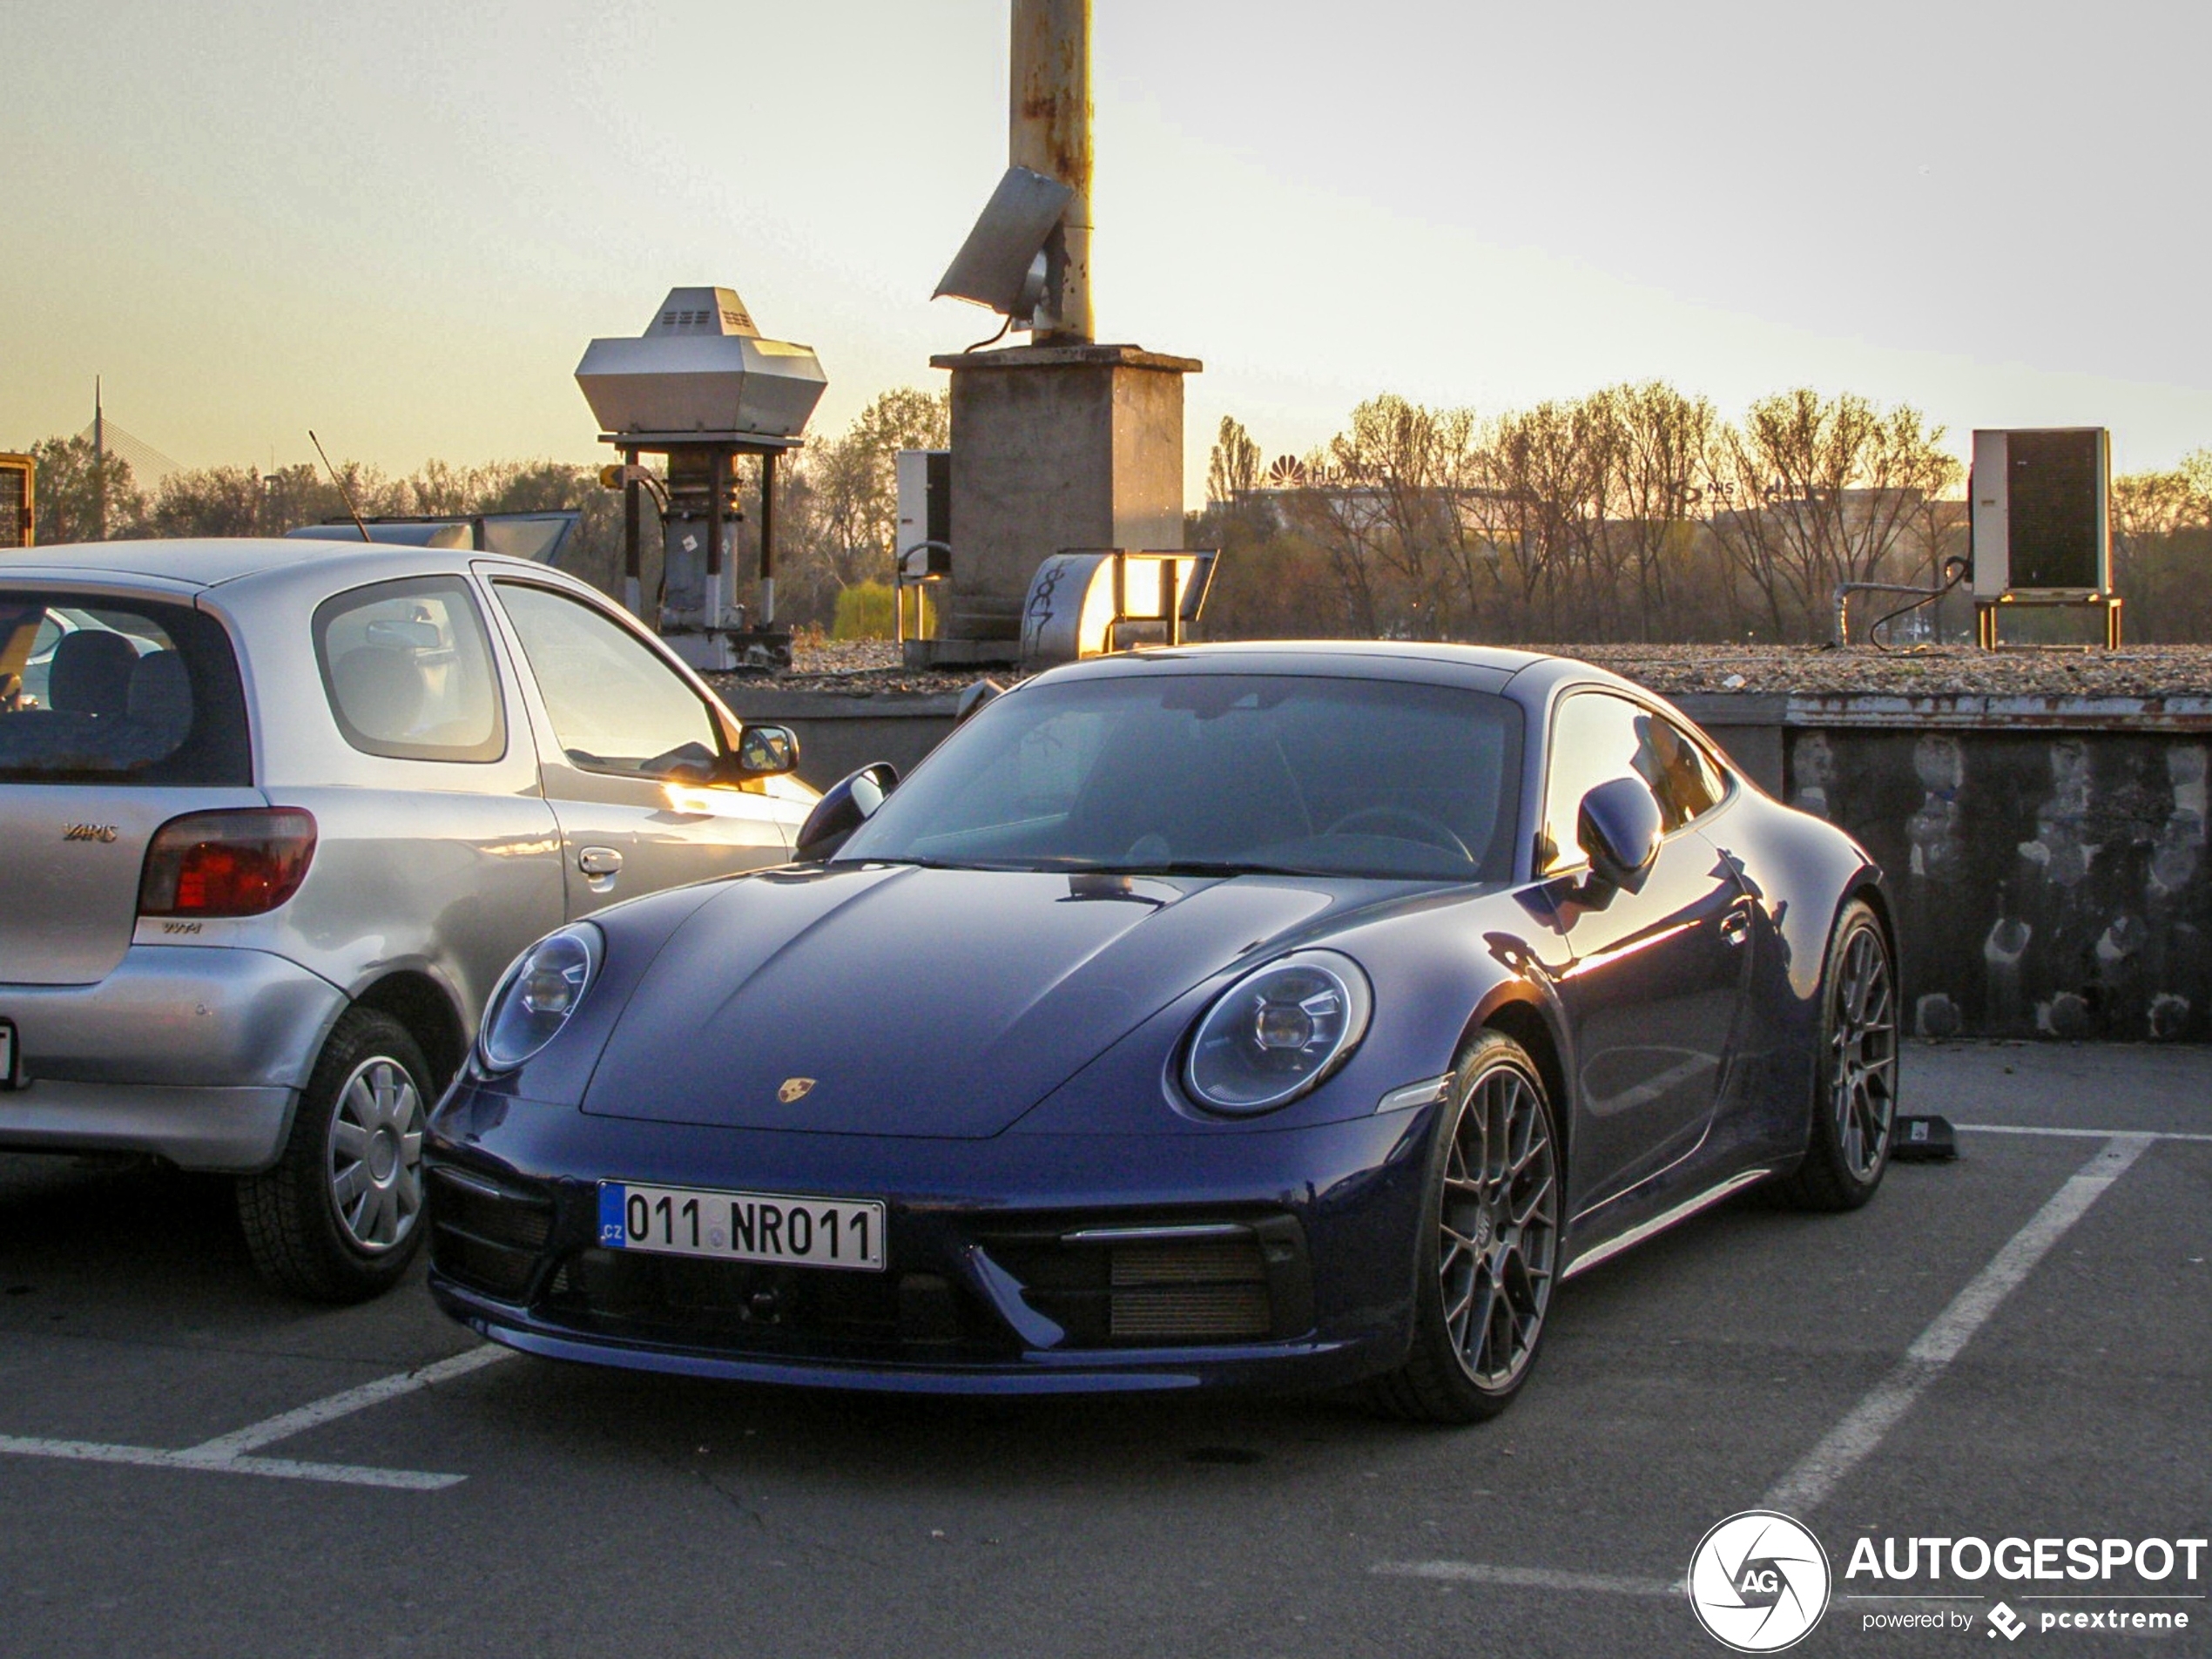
[(793, 1088)]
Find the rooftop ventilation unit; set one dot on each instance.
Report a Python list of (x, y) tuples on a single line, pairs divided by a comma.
[(2042, 522), (701, 386), (701, 370)]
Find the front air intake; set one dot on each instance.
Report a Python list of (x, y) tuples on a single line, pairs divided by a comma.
[(485, 1234), (1199, 1289)]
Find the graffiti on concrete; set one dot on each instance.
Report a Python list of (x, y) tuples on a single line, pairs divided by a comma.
[(2045, 883)]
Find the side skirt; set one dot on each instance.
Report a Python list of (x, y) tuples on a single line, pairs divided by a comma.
[(1665, 1219)]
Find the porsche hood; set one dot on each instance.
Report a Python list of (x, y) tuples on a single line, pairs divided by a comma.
[(893, 999)]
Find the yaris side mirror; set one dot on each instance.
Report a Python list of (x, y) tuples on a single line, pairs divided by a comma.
[(1618, 829), (766, 751), (843, 808)]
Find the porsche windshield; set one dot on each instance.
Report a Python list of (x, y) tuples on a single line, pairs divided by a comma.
[(1217, 774)]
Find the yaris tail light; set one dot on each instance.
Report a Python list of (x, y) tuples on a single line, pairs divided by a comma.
[(241, 863)]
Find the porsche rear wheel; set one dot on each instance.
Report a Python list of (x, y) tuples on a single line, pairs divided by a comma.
[(1854, 1096), (1488, 1251)]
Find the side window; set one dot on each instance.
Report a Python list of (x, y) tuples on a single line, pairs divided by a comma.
[(1595, 739), (615, 705), (1686, 782), (96, 690), (408, 668)]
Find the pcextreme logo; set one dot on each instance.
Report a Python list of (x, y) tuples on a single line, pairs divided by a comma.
[(1758, 1582)]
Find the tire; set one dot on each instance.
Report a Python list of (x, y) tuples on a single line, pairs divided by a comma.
[(339, 1217), (1488, 1256), (1853, 1110)]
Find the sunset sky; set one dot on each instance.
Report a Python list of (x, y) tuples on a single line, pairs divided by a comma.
[(400, 222)]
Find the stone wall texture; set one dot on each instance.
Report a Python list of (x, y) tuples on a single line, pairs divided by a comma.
[(2047, 883)]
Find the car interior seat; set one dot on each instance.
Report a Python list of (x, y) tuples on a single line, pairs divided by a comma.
[(91, 673), (159, 700), (379, 690)]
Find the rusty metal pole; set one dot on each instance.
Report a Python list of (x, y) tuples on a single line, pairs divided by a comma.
[(767, 539), (633, 556), (1048, 131)]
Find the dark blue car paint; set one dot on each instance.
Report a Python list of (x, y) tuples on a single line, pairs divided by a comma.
[(1052, 1087), (1353, 1187)]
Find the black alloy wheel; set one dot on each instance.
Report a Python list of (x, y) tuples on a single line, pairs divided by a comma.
[(1488, 1253), (1854, 1087)]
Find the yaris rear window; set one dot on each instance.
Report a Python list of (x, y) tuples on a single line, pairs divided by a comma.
[(99, 690)]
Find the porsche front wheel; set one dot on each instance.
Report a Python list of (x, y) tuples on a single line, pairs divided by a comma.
[(1488, 1256)]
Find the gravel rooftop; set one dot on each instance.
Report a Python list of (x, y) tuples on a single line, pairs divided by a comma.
[(873, 668)]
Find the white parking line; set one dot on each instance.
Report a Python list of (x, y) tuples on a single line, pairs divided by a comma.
[(2079, 1134), (1848, 1444), (1526, 1578), (275, 1468), (224, 1448), (225, 1454)]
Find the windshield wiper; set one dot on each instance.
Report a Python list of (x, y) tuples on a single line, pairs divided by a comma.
[(928, 864), (1199, 866)]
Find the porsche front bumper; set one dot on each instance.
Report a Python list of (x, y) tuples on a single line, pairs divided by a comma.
[(1021, 1264)]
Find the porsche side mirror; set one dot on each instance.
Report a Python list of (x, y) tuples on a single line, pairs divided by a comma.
[(843, 808), (1618, 829), (766, 751)]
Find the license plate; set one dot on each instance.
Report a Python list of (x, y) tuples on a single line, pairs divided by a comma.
[(8, 1050), (781, 1227)]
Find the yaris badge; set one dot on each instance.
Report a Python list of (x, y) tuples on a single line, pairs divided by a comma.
[(793, 1088)]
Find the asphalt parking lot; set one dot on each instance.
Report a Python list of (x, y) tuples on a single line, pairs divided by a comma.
[(2019, 1343)]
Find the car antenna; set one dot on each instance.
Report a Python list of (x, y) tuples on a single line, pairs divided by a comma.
[(346, 495)]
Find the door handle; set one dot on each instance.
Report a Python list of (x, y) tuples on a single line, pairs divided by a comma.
[(599, 861)]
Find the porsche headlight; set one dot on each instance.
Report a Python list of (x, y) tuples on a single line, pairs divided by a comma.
[(538, 994), (1278, 1032)]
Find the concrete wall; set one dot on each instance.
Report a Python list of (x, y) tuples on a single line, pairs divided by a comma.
[(839, 735), (2045, 855)]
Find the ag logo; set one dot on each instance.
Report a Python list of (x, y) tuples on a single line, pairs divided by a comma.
[(793, 1088), (1758, 1582)]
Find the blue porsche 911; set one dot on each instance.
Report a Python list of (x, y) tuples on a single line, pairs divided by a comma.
[(1290, 1015)]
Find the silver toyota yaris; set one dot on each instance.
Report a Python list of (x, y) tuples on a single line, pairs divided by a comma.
[(275, 816)]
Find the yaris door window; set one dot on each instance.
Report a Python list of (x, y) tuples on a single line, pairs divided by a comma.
[(409, 670)]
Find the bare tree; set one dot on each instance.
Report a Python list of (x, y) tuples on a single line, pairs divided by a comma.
[(838, 503), (1385, 505), (1232, 471), (74, 483), (2162, 537), (1829, 488), (1659, 453), (1547, 499)]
